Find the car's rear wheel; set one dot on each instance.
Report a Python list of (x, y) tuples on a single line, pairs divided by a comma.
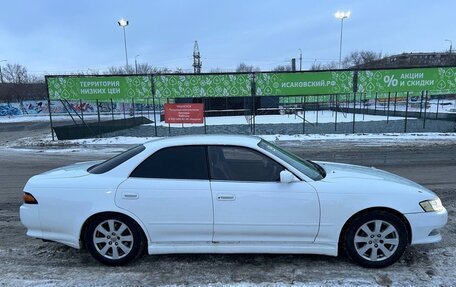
[(376, 239), (114, 239)]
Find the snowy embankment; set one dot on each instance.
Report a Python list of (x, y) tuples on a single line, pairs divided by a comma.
[(375, 139)]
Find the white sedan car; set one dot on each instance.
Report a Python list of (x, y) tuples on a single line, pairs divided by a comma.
[(229, 194)]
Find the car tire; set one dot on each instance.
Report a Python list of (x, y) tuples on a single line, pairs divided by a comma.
[(376, 239), (114, 239)]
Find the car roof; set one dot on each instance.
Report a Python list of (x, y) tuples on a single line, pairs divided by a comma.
[(241, 140)]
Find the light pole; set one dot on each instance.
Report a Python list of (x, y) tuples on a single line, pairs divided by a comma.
[(341, 16), (1, 74), (300, 59), (136, 64), (451, 44), (124, 23)]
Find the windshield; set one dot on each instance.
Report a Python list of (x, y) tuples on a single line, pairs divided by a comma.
[(310, 169)]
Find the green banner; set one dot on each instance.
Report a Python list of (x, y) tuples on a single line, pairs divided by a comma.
[(100, 88), (436, 80), (200, 86), (308, 83)]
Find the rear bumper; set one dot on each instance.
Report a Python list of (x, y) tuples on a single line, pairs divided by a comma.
[(426, 226)]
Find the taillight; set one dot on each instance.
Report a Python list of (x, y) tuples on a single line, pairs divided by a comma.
[(29, 199)]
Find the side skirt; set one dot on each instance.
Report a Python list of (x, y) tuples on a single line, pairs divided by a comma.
[(210, 247)]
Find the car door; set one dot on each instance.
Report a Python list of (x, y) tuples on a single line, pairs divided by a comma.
[(252, 205), (170, 193)]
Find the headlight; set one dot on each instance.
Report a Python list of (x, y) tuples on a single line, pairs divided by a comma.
[(432, 205)]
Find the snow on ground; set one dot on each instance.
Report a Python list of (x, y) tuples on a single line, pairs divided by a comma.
[(310, 116), (444, 106), (45, 118)]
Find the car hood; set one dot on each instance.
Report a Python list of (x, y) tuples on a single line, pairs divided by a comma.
[(339, 171), (73, 170)]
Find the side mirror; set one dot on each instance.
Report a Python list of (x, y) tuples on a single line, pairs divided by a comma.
[(286, 176)]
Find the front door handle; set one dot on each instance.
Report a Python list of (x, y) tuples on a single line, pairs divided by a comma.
[(130, 196), (226, 197)]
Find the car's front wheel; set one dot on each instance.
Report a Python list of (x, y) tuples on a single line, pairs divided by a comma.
[(114, 239), (376, 239)]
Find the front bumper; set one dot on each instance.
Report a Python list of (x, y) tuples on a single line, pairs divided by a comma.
[(30, 218), (426, 226)]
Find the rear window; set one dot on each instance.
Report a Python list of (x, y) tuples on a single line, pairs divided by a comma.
[(116, 160)]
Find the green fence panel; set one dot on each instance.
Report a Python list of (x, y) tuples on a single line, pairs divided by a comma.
[(437, 80), (103, 88), (304, 83), (201, 86)]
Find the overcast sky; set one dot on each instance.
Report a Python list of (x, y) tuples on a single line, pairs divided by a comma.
[(67, 36)]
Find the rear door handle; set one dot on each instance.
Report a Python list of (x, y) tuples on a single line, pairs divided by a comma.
[(226, 197), (130, 196)]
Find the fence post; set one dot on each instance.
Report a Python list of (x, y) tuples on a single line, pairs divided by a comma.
[(336, 108), (123, 108), (364, 104), (169, 125), (81, 108), (406, 112), (133, 105), (49, 108), (375, 103), (437, 112), (148, 108), (388, 112), (304, 116), (253, 115), (99, 120), (112, 110), (354, 111), (152, 87), (425, 109), (204, 115), (98, 110), (421, 103), (253, 98)]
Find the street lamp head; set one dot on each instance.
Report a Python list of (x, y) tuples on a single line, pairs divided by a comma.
[(122, 22), (342, 15)]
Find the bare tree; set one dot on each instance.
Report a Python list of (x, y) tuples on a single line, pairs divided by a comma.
[(145, 68), (357, 58), (120, 70), (142, 69), (216, 70), (282, 68), (333, 65), (243, 67), (15, 73)]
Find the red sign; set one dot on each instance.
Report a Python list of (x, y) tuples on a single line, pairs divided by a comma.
[(184, 113)]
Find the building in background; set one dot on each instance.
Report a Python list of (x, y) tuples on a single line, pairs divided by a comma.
[(406, 60)]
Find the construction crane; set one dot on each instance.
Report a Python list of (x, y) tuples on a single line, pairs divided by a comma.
[(197, 64)]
